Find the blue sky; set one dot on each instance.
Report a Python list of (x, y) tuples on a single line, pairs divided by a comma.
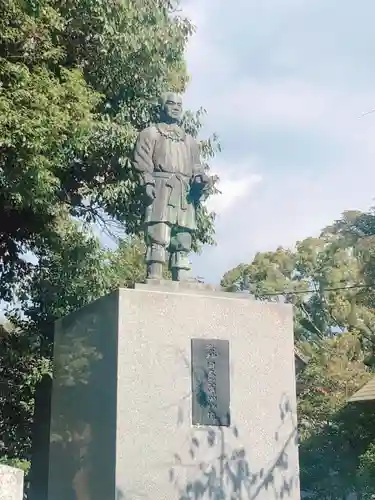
[(285, 83)]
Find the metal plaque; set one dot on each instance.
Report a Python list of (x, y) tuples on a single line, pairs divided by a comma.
[(210, 382)]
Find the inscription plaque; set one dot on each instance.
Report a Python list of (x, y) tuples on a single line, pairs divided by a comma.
[(210, 382)]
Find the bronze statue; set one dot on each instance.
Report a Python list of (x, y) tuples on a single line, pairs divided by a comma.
[(174, 182)]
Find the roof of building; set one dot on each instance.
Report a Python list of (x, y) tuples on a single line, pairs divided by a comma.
[(300, 355), (366, 393)]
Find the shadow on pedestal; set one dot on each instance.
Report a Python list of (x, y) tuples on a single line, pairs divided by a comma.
[(40, 441)]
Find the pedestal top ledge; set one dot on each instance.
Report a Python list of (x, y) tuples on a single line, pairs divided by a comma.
[(189, 287)]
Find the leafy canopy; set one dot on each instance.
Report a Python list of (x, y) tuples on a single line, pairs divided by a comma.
[(79, 78)]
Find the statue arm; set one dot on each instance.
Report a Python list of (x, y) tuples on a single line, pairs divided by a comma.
[(198, 168), (199, 181), (142, 157)]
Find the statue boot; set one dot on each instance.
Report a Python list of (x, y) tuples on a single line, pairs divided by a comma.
[(180, 266), (155, 259)]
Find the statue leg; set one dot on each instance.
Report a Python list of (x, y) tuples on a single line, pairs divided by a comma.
[(180, 248), (157, 237)]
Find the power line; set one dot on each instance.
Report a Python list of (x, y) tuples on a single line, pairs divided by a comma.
[(367, 113), (330, 289)]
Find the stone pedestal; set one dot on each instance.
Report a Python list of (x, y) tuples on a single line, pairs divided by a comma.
[(11, 483), (38, 474), (130, 371)]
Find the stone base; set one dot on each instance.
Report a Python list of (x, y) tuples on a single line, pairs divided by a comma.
[(11, 483), (179, 285), (188, 287), (122, 399)]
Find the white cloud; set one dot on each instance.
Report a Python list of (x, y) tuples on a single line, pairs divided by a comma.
[(232, 189)]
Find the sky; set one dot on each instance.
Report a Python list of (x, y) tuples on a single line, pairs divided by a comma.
[(285, 84)]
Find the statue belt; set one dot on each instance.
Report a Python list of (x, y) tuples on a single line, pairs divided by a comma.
[(179, 185)]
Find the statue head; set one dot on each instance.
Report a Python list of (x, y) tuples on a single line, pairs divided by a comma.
[(170, 108)]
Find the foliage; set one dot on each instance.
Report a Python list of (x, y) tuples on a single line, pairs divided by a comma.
[(334, 436), (79, 78), (367, 471), (335, 371), (332, 461), (24, 465), (21, 367)]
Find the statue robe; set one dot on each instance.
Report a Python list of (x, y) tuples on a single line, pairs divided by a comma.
[(168, 162)]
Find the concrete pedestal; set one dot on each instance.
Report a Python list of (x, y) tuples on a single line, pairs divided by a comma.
[(122, 399), (11, 483)]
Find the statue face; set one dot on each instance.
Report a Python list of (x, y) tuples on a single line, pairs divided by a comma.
[(172, 107)]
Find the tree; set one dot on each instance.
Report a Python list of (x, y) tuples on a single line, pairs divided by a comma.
[(366, 476), (335, 438), (79, 78)]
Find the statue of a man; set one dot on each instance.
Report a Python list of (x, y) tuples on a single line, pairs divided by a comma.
[(174, 181)]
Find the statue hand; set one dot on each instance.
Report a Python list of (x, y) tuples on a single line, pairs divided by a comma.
[(150, 193), (199, 185), (201, 178)]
